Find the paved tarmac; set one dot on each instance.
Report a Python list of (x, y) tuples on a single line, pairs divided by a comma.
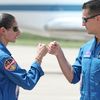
[(53, 85)]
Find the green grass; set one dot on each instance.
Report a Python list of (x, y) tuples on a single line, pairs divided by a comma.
[(32, 40)]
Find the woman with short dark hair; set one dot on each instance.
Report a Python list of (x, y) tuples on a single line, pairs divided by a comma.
[(12, 75)]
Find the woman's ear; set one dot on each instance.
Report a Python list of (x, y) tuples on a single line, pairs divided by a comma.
[(2, 30)]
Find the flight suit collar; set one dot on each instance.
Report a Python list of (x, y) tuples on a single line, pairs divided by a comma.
[(3, 48)]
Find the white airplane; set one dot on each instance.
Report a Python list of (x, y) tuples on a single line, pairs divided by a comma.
[(46, 16)]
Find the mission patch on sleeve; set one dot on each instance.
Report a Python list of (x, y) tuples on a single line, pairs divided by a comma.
[(10, 64)]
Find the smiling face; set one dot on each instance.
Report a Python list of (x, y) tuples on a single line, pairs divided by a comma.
[(91, 17), (9, 30), (92, 24), (12, 33)]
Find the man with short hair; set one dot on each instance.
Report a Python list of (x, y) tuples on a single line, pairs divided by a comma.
[(87, 63)]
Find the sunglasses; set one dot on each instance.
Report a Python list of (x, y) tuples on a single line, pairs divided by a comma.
[(15, 28), (85, 19)]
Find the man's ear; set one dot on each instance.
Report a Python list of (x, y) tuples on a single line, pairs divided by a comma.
[(98, 18)]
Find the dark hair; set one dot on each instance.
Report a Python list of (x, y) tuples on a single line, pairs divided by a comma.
[(6, 20), (93, 6)]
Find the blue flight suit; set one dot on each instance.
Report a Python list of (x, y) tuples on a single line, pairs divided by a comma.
[(87, 66), (12, 76)]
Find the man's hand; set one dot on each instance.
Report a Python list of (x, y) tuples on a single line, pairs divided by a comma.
[(54, 48)]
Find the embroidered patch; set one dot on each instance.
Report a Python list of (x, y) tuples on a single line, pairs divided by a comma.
[(10, 64)]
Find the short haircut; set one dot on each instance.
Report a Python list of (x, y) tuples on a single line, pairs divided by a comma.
[(93, 6)]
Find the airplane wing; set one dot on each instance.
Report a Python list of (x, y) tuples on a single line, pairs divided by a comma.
[(64, 23)]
